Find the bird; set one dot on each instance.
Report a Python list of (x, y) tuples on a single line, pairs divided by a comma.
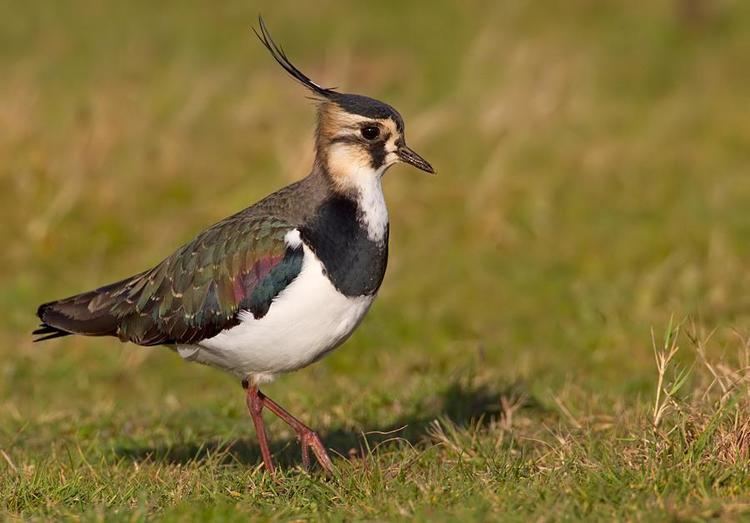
[(274, 287)]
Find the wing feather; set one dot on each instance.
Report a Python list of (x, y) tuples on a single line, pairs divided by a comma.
[(241, 263)]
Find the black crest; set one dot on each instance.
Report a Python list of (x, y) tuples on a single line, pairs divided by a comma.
[(351, 103), (280, 56)]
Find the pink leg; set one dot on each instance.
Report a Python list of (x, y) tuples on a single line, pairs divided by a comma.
[(255, 406), (308, 438)]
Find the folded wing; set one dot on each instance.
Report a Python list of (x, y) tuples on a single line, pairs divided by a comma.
[(241, 263)]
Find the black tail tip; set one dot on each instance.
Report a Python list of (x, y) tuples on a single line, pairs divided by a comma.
[(48, 332)]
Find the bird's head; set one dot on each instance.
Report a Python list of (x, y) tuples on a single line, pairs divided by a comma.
[(355, 134)]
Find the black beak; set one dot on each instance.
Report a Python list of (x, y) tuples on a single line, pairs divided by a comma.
[(412, 158)]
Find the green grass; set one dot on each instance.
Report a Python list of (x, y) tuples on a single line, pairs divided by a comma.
[(592, 185)]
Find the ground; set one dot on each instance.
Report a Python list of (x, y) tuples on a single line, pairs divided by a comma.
[(589, 215)]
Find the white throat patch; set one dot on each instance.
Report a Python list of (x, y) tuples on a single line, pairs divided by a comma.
[(372, 202), (355, 173)]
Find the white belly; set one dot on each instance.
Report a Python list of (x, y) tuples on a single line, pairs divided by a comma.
[(306, 320)]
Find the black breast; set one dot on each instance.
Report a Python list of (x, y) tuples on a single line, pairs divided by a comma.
[(354, 263)]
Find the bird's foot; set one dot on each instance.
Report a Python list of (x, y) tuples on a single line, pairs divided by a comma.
[(308, 438)]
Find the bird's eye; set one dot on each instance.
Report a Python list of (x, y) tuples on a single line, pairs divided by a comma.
[(370, 132)]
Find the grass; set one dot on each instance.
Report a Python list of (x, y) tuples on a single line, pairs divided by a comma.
[(590, 212)]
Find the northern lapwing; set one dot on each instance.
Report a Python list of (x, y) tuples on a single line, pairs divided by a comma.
[(274, 287)]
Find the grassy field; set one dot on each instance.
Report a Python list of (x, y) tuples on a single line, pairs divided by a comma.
[(590, 211)]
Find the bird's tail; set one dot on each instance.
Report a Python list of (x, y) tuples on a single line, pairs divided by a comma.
[(88, 313)]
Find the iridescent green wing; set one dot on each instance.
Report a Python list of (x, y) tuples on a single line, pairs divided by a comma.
[(239, 264)]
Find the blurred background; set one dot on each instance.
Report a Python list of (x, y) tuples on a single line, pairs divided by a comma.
[(592, 183)]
